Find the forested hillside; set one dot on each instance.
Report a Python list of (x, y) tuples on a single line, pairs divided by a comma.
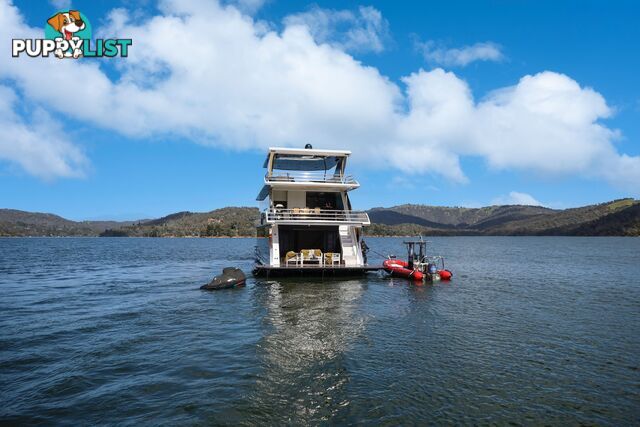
[(616, 218)]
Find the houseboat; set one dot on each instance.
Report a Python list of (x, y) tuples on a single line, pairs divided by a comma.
[(306, 222)]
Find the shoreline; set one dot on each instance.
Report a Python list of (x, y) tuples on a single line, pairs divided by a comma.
[(254, 237)]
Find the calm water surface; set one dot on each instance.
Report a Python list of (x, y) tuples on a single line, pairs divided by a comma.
[(116, 331)]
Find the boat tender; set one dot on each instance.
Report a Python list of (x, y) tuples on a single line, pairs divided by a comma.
[(420, 266)]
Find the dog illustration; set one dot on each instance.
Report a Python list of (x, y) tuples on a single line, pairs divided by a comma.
[(67, 24)]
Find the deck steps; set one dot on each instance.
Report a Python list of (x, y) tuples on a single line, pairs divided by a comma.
[(349, 246)]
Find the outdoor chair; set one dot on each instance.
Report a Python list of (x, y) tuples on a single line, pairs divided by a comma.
[(311, 255), (331, 258), (292, 257), (278, 210)]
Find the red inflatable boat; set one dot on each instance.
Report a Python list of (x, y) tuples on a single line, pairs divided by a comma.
[(423, 267), (401, 269)]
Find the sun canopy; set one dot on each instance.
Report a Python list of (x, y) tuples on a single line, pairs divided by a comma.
[(304, 163), (294, 159)]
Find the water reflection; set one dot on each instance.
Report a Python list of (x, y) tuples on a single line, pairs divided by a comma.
[(116, 329), (310, 327)]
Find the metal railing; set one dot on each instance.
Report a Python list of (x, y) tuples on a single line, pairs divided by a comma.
[(308, 176), (315, 215)]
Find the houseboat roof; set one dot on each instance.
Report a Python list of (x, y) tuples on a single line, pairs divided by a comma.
[(309, 151), (303, 159)]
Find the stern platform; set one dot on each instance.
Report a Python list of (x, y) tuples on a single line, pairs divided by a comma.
[(262, 270)]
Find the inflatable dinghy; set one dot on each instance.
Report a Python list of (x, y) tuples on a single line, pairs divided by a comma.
[(401, 268), (419, 266)]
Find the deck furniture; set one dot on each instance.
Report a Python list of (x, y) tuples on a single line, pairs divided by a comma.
[(311, 255), (292, 257), (331, 258), (278, 210)]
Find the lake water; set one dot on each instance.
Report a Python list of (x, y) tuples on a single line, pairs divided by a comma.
[(116, 331)]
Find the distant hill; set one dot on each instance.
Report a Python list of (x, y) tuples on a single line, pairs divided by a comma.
[(616, 218), (454, 218), (225, 222), (20, 223)]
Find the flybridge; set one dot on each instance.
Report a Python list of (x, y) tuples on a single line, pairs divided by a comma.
[(292, 159), (296, 168)]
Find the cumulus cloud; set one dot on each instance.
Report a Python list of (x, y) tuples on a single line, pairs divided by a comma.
[(361, 31), (516, 198), (247, 6), (436, 53), (60, 4), (39, 145), (213, 75)]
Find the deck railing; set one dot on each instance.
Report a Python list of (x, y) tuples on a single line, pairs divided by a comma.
[(308, 176), (315, 215)]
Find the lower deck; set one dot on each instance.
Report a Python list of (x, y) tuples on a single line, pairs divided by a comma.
[(307, 247), (313, 270)]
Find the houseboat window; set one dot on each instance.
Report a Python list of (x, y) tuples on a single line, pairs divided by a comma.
[(324, 200)]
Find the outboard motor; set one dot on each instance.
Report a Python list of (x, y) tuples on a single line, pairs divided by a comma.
[(415, 259), (410, 255)]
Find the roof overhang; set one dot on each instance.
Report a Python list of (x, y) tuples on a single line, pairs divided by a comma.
[(309, 151), (302, 186), (264, 192), (304, 159)]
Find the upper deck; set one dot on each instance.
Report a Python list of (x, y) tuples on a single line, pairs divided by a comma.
[(307, 186), (307, 168)]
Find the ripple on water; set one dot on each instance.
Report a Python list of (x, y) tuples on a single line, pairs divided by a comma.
[(116, 331)]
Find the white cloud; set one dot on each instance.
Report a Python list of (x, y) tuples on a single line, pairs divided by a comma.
[(213, 75), (404, 183), (39, 146), (516, 198), (247, 6), (60, 4), (436, 53), (364, 31)]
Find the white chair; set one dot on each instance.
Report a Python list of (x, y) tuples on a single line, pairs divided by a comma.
[(278, 210), (331, 258), (311, 255), (292, 257), (336, 259)]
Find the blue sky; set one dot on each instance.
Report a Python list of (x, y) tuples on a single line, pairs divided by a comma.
[(144, 165)]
